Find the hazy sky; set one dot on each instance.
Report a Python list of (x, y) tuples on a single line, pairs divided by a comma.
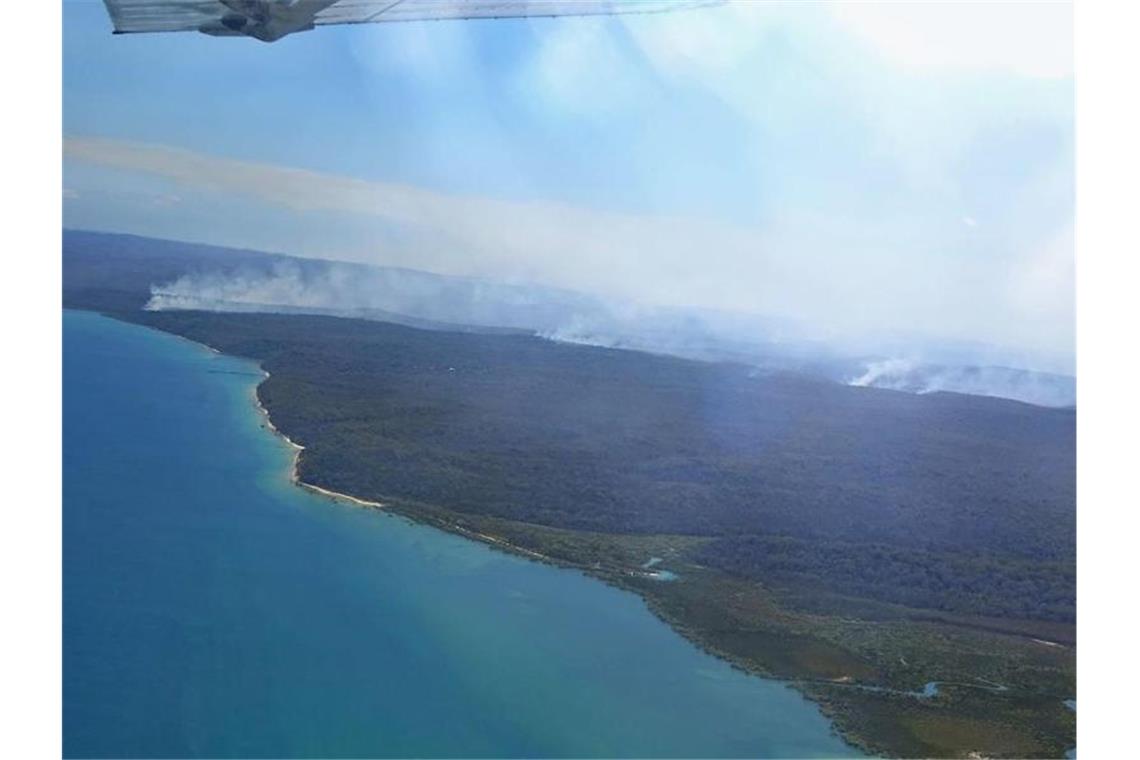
[(856, 167)]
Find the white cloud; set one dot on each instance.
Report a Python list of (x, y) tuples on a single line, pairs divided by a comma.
[(432, 53), (710, 40), (1032, 39), (912, 84), (578, 68)]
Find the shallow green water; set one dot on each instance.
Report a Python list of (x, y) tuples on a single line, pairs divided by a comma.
[(211, 608)]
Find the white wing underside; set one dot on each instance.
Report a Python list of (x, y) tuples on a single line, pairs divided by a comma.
[(129, 16), (373, 11)]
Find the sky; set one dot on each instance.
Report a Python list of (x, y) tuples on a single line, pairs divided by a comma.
[(857, 168)]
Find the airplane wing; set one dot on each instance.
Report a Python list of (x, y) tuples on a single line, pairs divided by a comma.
[(380, 11), (163, 15), (270, 20)]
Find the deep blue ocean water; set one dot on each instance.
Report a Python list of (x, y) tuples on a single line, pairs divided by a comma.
[(212, 608)]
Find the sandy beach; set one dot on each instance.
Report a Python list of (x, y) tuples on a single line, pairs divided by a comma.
[(297, 449)]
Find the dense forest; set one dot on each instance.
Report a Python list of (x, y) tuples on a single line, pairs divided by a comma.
[(944, 501), (985, 582)]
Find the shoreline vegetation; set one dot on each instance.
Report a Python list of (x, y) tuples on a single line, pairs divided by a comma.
[(298, 449), (365, 613), (863, 661), (818, 690), (456, 527)]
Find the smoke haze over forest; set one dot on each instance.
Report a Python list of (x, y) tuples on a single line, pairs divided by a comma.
[(847, 170)]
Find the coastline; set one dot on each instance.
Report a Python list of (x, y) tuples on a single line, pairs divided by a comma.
[(800, 686), (294, 474), (844, 717), (295, 478), (195, 444), (450, 527)]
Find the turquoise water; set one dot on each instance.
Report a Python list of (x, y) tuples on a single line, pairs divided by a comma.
[(212, 608)]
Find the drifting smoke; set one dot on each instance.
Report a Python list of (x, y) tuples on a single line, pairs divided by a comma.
[(1041, 388), (583, 331), (399, 295), (884, 374), (432, 301)]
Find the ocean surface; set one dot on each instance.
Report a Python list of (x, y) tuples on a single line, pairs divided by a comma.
[(211, 608)]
